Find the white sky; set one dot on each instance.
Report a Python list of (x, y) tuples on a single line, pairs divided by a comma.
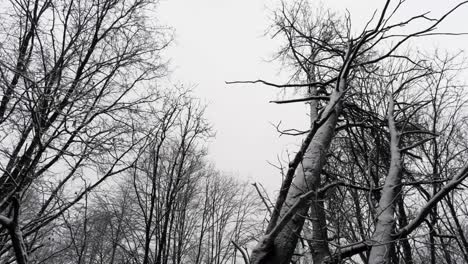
[(223, 40)]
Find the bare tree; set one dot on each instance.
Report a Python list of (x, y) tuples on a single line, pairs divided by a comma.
[(73, 90), (335, 66), (168, 171)]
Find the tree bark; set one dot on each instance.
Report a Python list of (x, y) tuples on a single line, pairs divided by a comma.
[(318, 241), (14, 230), (382, 238), (280, 249)]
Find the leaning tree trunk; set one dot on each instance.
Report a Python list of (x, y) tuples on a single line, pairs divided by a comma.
[(307, 178), (278, 247)]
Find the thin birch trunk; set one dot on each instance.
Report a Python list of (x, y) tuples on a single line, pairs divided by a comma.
[(382, 238)]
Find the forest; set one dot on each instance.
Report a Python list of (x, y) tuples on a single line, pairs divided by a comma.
[(102, 161)]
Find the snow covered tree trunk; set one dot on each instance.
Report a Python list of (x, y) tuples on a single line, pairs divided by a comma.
[(382, 237), (278, 247), (307, 178)]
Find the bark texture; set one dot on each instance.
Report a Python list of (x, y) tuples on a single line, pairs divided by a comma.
[(279, 250), (382, 239), (307, 177), (317, 239)]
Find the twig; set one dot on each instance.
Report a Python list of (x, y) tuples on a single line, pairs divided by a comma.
[(261, 197), (244, 254)]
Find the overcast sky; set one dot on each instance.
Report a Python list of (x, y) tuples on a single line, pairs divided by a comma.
[(223, 40)]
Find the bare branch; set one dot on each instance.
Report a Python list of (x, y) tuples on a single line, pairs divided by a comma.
[(315, 84), (306, 99)]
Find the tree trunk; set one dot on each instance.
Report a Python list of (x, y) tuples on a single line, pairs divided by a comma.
[(319, 244), (318, 241), (382, 238), (307, 176)]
